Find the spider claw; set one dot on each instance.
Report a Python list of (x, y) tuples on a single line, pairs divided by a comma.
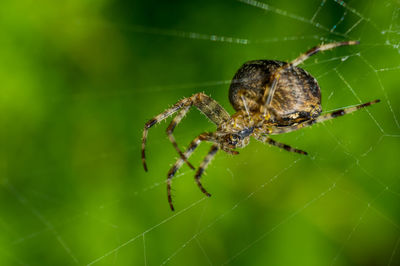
[(202, 188), (169, 196), (144, 159), (189, 164), (145, 167), (301, 152), (205, 191)]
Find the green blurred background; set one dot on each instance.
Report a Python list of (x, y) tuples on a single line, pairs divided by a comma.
[(80, 78)]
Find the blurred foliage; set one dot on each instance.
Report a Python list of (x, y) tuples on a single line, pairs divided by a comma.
[(80, 79)]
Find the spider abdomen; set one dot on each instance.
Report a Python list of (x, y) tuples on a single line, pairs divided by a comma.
[(297, 96)]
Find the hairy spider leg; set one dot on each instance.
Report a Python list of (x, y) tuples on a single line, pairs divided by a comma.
[(203, 167), (152, 122), (266, 139), (303, 57), (170, 129), (192, 146), (322, 118), (213, 110)]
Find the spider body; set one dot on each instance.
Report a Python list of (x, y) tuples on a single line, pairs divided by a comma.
[(270, 97), (297, 95)]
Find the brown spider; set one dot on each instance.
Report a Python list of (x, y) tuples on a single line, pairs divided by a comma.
[(271, 97)]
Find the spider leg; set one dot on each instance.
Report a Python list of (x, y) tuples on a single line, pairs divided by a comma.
[(320, 48), (192, 146), (155, 120), (170, 129), (230, 151), (242, 94), (266, 139), (212, 109), (203, 166), (322, 118), (298, 61)]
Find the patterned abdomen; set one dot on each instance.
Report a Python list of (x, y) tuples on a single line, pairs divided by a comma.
[(297, 96)]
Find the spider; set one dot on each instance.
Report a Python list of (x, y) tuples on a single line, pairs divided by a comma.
[(270, 97)]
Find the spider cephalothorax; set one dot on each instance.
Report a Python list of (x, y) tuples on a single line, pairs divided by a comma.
[(270, 97)]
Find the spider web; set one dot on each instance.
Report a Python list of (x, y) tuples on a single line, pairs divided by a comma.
[(338, 206)]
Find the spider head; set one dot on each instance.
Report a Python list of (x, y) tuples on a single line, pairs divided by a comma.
[(238, 139)]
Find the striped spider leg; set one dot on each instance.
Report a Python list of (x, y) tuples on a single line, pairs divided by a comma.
[(322, 118), (266, 139), (280, 130), (215, 112), (192, 146)]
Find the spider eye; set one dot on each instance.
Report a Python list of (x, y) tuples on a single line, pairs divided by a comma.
[(233, 140)]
